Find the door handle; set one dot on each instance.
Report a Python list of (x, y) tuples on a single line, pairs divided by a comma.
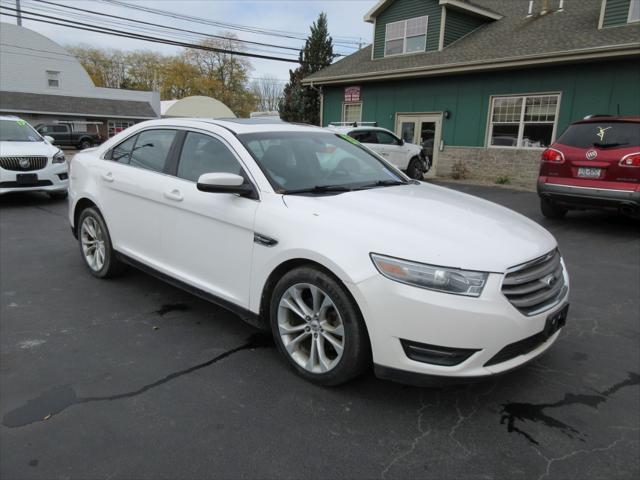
[(107, 177), (174, 195)]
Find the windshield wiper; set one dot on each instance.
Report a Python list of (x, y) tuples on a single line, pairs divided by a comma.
[(608, 145), (382, 183), (319, 189)]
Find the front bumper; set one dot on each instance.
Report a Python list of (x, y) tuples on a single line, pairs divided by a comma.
[(395, 312), (53, 178), (594, 195)]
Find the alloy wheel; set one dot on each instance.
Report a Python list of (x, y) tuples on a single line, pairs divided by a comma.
[(311, 328), (93, 247)]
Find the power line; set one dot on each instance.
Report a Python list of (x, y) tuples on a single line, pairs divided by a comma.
[(137, 36), (167, 27), (231, 26)]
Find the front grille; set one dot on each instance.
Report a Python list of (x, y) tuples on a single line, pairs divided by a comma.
[(23, 164), (535, 286)]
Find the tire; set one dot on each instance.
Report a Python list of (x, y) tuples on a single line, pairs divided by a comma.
[(84, 144), (297, 337), (91, 228), (58, 195), (551, 209), (414, 170)]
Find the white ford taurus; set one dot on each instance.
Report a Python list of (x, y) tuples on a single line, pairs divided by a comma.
[(303, 231)]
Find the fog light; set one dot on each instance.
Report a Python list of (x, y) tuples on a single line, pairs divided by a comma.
[(436, 355)]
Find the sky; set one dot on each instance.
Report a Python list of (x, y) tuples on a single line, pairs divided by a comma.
[(345, 19)]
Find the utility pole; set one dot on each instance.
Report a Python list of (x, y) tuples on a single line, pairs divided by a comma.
[(18, 14)]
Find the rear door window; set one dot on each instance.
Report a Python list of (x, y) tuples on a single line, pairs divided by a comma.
[(151, 149), (603, 135), (364, 136)]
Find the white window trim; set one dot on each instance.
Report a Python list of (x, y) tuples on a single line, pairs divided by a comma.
[(524, 97), (631, 3), (344, 110), (404, 37), (58, 76)]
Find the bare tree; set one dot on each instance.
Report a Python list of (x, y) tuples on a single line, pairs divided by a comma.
[(268, 91)]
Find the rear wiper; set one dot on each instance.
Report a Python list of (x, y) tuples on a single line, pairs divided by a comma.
[(608, 145), (319, 189), (382, 183)]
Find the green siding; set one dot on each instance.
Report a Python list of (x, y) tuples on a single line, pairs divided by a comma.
[(457, 25), (605, 87), (616, 13), (403, 9)]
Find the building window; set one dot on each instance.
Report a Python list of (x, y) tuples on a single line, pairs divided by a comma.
[(523, 121), (53, 79), (352, 112), (406, 36), (116, 126), (634, 11)]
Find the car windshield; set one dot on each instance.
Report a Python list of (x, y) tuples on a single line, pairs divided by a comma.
[(603, 135), (317, 162), (17, 131)]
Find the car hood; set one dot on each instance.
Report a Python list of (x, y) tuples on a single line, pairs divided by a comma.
[(14, 149), (429, 224)]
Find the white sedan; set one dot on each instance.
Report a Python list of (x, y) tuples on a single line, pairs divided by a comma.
[(304, 232)]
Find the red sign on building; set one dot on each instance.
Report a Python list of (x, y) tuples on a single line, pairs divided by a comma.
[(352, 94)]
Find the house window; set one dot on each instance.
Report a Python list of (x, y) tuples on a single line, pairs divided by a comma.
[(352, 112), (634, 11), (116, 126), (53, 79), (406, 36), (523, 121)]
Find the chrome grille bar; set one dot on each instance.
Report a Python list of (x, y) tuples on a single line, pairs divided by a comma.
[(23, 163)]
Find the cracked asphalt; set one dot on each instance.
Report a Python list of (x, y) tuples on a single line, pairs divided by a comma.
[(132, 378)]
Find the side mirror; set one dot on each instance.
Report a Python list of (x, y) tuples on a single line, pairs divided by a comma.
[(49, 139), (225, 183), (401, 141)]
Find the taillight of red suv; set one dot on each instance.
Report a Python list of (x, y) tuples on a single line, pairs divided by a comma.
[(631, 160), (551, 155)]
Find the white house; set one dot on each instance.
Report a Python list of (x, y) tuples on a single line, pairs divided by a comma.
[(41, 82)]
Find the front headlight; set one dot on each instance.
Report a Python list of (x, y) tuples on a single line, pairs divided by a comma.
[(431, 277), (59, 157)]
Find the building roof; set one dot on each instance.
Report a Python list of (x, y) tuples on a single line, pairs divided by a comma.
[(463, 5), (22, 102), (196, 106), (513, 41)]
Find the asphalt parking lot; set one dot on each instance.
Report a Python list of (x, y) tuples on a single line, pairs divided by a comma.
[(132, 378)]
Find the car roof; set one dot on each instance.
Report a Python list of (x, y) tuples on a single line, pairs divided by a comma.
[(609, 118), (237, 125)]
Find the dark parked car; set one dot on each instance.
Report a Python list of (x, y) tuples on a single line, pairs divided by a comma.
[(65, 135), (594, 164)]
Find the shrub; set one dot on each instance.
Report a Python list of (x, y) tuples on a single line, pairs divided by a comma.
[(503, 180)]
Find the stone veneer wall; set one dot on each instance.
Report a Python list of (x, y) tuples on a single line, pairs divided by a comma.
[(487, 164)]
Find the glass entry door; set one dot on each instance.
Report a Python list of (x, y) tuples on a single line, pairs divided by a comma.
[(423, 130)]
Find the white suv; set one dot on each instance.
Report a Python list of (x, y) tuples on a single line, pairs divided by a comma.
[(28, 161), (408, 157), (305, 232)]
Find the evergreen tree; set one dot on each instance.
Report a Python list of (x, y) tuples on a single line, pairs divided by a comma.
[(301, 103)]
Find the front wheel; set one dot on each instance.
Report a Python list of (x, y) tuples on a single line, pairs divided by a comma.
[(551, 209), (414, 170), (318, 328), (95, 245)]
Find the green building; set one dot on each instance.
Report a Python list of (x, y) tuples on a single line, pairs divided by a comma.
[(488, 83)]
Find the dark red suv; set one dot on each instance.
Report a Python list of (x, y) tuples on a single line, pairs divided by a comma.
[(594, 164)]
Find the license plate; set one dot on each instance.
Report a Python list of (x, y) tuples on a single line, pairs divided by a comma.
[(589, 172), (556, 321), (27, 178)]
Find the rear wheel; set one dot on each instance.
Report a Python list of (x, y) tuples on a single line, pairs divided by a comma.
[(414, 170), (551, 209), (84, 144), (318, 328), (95, 245)]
